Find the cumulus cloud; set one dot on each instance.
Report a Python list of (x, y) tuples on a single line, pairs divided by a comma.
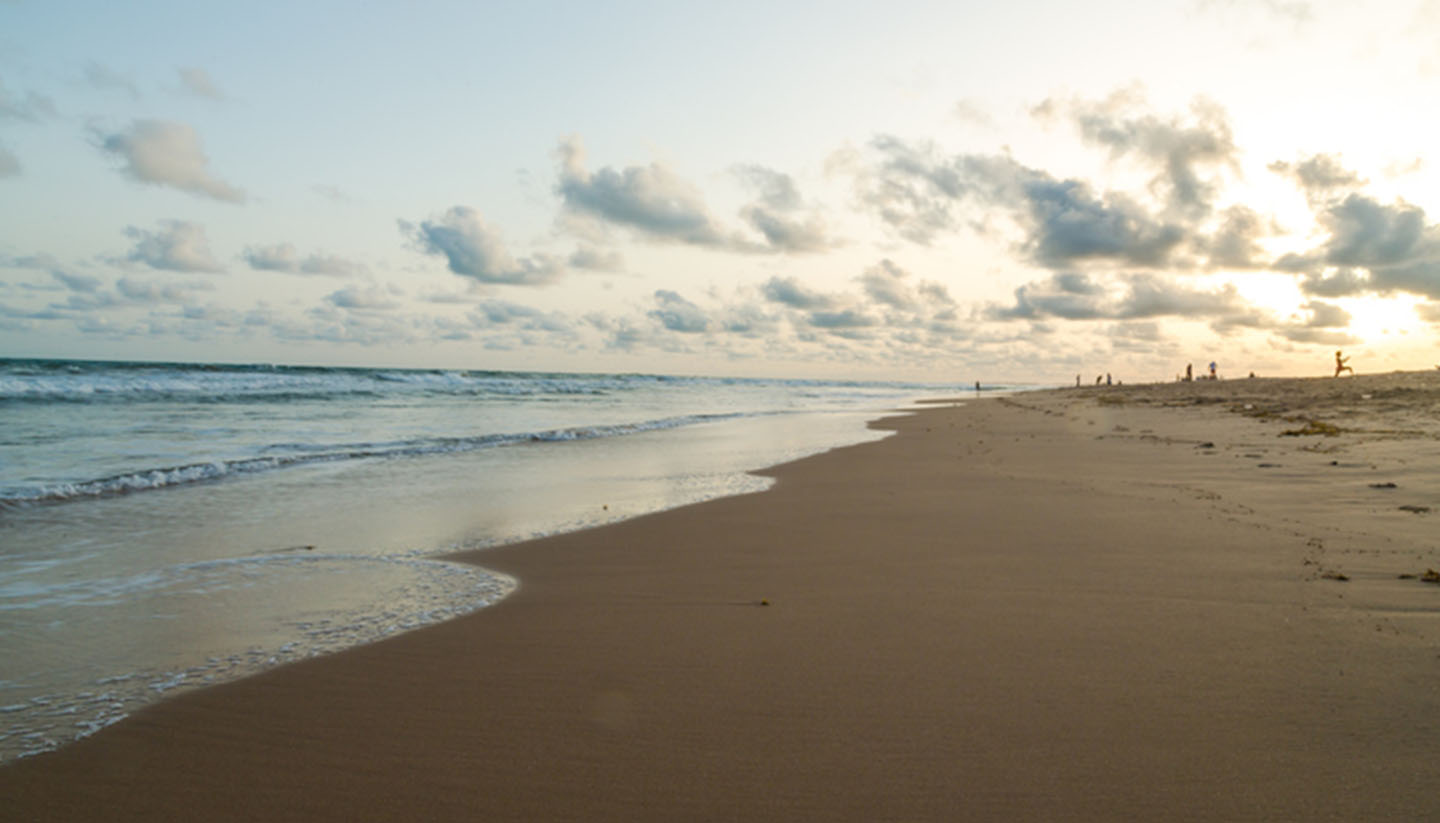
[(779, 213), (502, 313), (650, 200), (1183, 151), (1319, 176), (1077, 296), (145, 291), (678, 314), (1392, 244), (917, 191), (104, 78), (165, 153), (197, 81), (369, 298), (473, 249), (175, 246), (789, 291), (283, 257)]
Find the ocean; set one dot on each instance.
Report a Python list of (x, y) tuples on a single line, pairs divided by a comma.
[(164, 526)]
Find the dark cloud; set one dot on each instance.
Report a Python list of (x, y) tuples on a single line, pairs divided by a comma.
[(1184, 152), (175, 246), (473, 249), (1429, 312), (1393, 244), (678, 314), (167, 154), (106, 79)]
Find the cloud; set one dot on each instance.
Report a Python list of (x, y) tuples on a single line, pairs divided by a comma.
[(32, 108), (197, 81), (103, 78), (788, 291), (678, 314), (1074, 296), (175, 246), (496, 313), (589, 257), (282, 257), (1065, 222), (1392, 244), (473, 249), (48, 264), (1178, 149), (777, 212), (9, 164), (168, 154), (1326, 315), (1235, 244), (1319, 176), (152, 292), (650, 200), (365, 299)]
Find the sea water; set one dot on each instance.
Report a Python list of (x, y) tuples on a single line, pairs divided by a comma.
[(166, 526)]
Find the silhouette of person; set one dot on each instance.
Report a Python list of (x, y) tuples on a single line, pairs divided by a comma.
[(1340, 364), (1189, 372), (1212, 369)]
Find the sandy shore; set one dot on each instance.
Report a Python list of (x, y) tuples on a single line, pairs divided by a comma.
[(1178, 602)]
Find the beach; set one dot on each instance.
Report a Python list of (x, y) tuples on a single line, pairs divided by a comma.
[(1188, 601)]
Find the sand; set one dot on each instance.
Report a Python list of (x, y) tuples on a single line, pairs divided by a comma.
[(1141, 602)]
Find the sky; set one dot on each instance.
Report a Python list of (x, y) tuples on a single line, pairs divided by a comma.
[(952, 191)]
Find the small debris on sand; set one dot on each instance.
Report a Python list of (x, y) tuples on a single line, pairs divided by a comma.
[(1383, 486), (1415, 509), (1335, 576)]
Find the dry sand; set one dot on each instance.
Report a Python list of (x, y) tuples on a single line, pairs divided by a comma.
[(1087, 604)]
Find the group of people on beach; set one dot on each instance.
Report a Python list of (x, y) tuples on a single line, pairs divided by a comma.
[(1190, 372)]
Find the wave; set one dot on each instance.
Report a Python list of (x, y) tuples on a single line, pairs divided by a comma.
[(151, 479), (73, 381)]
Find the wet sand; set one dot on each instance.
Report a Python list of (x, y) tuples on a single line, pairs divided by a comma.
[(1145, 602)]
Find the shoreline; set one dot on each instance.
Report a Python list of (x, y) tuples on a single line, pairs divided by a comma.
[(1041, 606)]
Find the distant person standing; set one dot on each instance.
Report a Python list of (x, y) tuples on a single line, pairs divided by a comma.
[(1340, 364), (1212, 370), (1077, 379), (1189, 372), (1107, 378)]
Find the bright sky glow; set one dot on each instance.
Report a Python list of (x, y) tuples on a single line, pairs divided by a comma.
[(950, 191)]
